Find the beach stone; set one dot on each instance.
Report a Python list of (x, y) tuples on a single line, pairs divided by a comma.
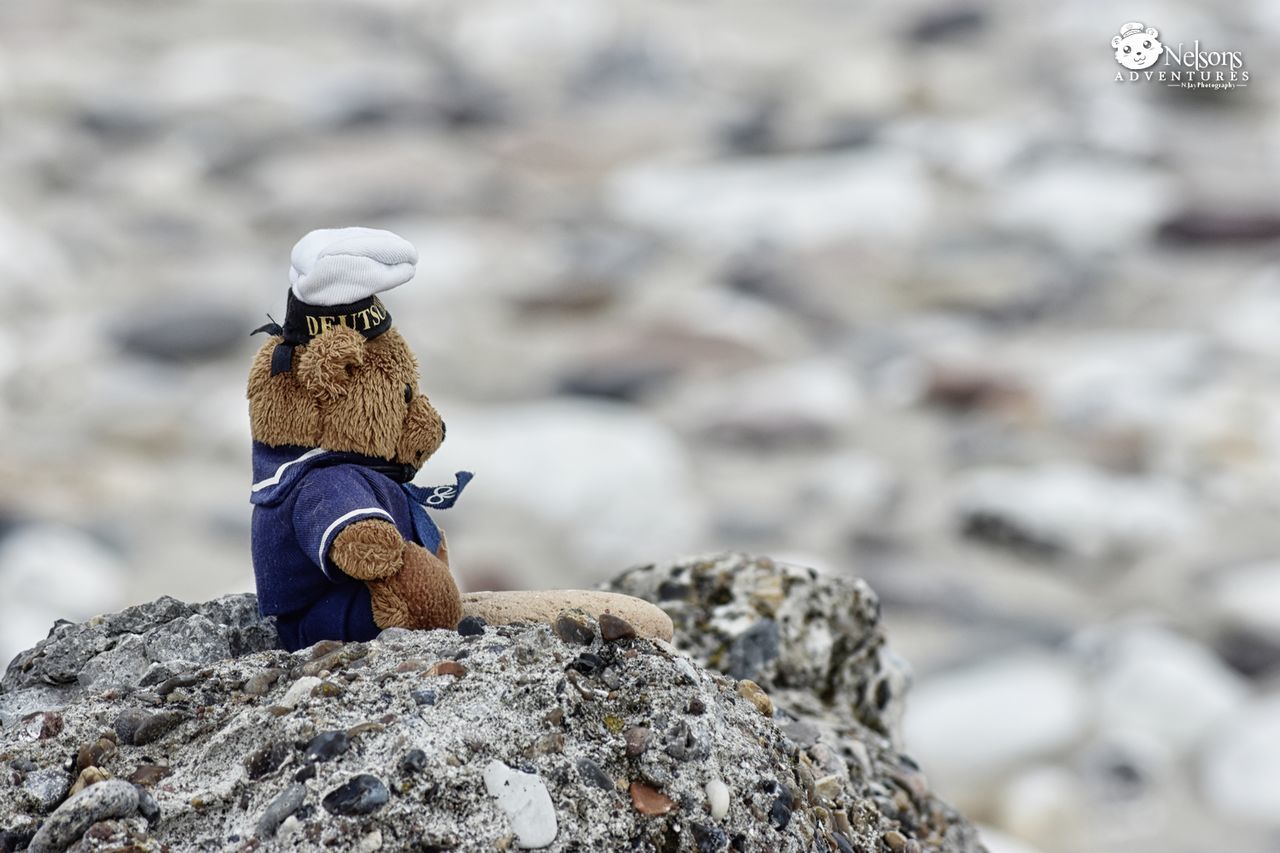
[(614, 628), (110, 799), (502, 608), (48, 786), (285, 804), (718, 798), (361, 795), (523, 798)]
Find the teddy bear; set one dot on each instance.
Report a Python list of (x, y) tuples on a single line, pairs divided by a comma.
[(1137, 48), (343, 544)]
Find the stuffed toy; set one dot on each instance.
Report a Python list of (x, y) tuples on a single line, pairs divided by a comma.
[(343, 543)]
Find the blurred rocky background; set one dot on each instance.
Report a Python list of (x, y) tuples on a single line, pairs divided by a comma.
[(912, 291)]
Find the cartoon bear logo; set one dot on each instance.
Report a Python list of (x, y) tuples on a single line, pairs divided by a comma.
[(1137, 48)]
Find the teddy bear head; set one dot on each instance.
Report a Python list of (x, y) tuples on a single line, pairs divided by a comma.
[(1137, 48), (336, 375)]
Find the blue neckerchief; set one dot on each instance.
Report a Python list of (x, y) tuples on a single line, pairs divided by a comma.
[(434, 497)]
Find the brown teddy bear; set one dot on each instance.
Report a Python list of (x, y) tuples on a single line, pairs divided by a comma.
[(342, 543)]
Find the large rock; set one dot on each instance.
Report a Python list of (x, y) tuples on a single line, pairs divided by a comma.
[(511, 737)]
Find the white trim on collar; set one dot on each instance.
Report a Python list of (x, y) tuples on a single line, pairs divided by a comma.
[(275, 478)]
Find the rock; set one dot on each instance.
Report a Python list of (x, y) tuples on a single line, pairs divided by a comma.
[(977, 722), (414, 761), (361, 795), (1247, 600), (471, 626), (117, 650), (828, 640), (1240, 764), (109, 799), (137, 728), (614, 628), (647, 801), (182, 331), (573, 627), (1220, 227), (554, 721), (1150, 679), (578, 475), (147, 806), (502, 608), (874, 196), (1073, 511), (326, 746), (299, 691), (52, 572), (284, 805), (637, 739), (751, 691), (1058, 201), (48, 786), (523, 798), (718, 799), (593, 775)]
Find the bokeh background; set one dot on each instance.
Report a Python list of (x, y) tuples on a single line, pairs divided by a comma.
[(910, 290)]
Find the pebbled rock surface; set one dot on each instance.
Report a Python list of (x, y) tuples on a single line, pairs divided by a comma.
[(813, 640), (637, 746)]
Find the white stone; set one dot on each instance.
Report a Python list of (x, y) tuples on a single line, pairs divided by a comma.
[(1249, 598), (1240, 765), (794, 201), (976, 723), (718, 798), (299, 691), (1084, 205), (524, 799), (999, 842), (1082, 510), (603, 483), (811, 396), (1044, 804), (371, 842), (1150, 679), (50, 572)]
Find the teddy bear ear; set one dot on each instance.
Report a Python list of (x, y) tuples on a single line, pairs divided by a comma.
[(1153, 32), (324, 364), (1115, 41)]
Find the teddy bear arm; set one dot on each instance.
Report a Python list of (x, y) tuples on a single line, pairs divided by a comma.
[(368, 550), (423, 595)]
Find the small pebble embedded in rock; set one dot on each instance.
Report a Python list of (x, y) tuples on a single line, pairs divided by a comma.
[(361, 795), (285, 804), (593, 775), (471, 626), (648, 801), (751, 691), (614, 628), (718, 799), (414, 761), (574, 628), (637, 739), (103, 801), (523, 797), (326, 746), (424, 697)]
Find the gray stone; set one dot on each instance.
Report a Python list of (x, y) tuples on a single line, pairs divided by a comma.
[(48, 786), (109, 799), (789, 629), (192, 638), (556, 734), (288, 802)]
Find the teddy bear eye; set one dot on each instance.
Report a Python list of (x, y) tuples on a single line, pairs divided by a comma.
[(1127, 48), (1146, 44), (408, 394)]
